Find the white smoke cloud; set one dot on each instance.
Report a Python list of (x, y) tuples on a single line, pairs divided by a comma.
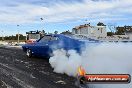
[(62, 64), (111, 58)]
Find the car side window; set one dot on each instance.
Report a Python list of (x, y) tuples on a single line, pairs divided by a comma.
[(48, 38)]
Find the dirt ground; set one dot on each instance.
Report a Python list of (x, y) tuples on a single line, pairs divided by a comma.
[(18, 71)]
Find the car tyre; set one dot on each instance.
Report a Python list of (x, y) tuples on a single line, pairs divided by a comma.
[(29, 53)]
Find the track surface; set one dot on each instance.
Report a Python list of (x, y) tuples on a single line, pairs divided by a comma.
[(18, 71)]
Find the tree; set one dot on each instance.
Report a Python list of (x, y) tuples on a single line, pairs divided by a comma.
[(56, 32), (101, 24), (109, 33), (66, 33), (21, 37), (120, 30)]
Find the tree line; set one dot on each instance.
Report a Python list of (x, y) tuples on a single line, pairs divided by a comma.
[(21, 37)]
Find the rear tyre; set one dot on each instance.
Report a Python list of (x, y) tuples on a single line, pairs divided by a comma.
[(81, 82), (29, 53)]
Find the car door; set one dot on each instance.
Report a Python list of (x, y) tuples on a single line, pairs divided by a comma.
[(47, 44), (43, 46)]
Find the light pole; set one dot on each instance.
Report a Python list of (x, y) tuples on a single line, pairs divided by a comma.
[(43, 32), (2, 36), (18, 35)]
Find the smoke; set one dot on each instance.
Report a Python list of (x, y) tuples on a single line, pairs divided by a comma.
[(64, 64), (103, 58)]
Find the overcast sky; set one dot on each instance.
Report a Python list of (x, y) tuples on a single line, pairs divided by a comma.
[(61, 15)]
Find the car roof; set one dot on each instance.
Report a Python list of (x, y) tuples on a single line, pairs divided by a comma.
[(56, 35)]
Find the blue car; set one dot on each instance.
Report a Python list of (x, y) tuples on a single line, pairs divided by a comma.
[(45, 46)]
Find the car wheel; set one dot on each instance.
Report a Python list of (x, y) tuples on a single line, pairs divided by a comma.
[(29, 53)]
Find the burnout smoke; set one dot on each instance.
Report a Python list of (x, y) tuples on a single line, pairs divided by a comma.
[(104, 58)]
